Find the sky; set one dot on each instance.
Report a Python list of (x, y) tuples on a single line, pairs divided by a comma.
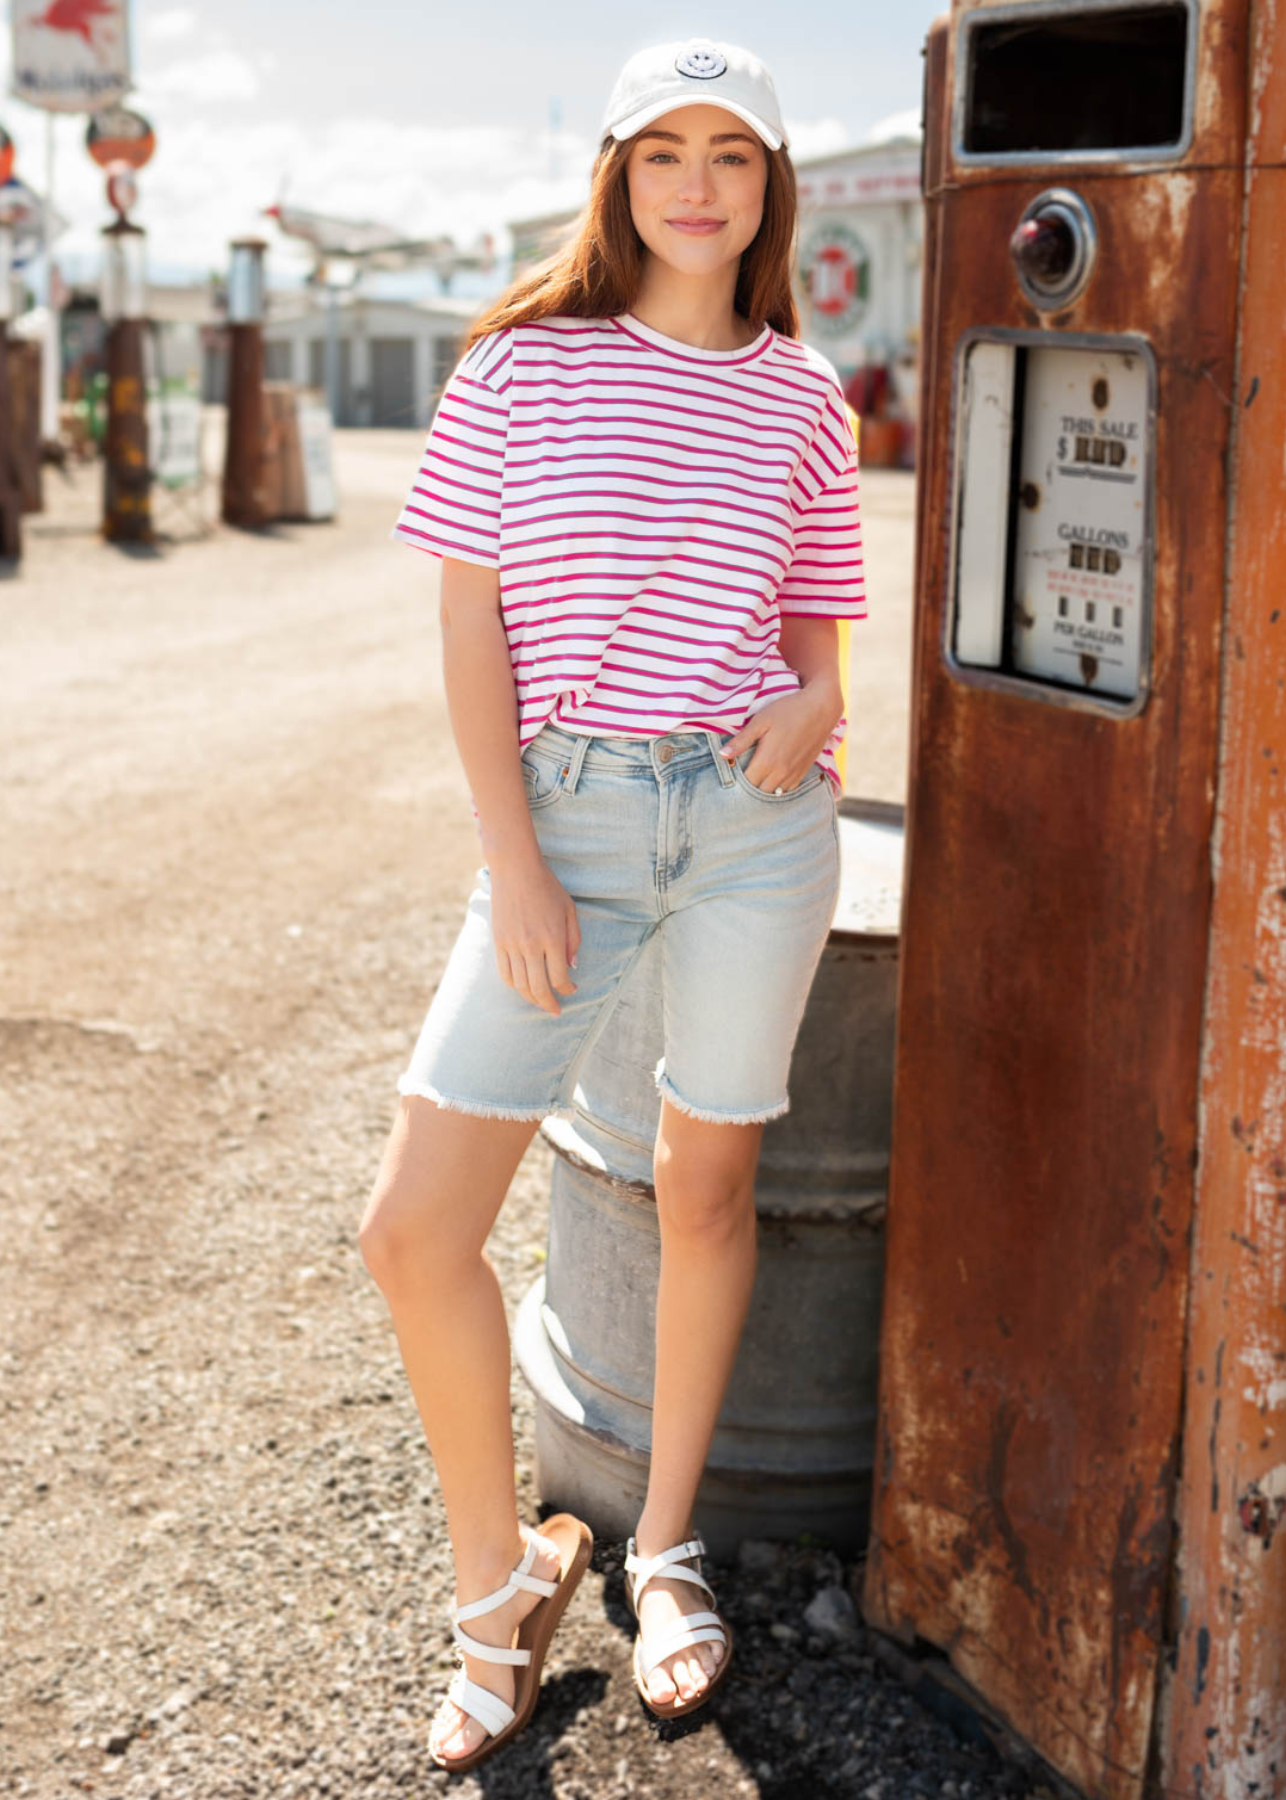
[(432, 119)]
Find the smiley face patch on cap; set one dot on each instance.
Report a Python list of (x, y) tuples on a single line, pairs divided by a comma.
[(703, 64)]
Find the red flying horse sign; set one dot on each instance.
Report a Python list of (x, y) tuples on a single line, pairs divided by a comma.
[(71, 55)]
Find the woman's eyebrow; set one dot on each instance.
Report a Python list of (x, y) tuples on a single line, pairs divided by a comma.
[(718, 137)]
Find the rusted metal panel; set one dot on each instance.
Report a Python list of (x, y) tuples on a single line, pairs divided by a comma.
[(245, 496), (127, 476), (1224, 1704), (1055, 922)]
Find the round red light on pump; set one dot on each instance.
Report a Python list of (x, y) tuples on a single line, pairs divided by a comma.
[(1044, 247), (1053, 246)]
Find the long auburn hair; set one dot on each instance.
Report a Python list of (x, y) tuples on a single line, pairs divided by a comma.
[(598, 270)]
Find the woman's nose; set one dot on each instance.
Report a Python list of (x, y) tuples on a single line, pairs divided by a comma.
[(696, 186)]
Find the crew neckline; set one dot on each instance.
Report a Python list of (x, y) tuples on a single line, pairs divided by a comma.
[(633, 326)]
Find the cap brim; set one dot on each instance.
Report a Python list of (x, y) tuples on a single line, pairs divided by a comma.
[(635, 121)]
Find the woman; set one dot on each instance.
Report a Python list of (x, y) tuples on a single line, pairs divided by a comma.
[(643, 491)]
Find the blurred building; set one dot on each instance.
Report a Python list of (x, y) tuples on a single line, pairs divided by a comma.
[(394, 355), (861, 236)]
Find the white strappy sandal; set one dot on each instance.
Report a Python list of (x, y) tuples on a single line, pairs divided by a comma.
[(695, 1628), (573, 1543)]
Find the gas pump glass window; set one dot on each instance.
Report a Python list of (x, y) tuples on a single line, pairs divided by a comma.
[(1052, 516), (1075, 79)]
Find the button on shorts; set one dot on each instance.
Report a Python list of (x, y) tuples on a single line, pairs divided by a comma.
[(648, 835)]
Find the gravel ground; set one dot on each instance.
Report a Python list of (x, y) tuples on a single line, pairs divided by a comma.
[(237, 852)]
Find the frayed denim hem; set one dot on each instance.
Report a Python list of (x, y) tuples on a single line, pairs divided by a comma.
[(666, 1087), (426, 1091)]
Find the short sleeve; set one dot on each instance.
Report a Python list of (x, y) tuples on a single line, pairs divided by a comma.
[(453, 508), (826, 576)]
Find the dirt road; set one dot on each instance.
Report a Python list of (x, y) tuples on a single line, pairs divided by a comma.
[(236, 848)]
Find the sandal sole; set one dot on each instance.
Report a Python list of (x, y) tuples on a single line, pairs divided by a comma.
[(575, 1543)]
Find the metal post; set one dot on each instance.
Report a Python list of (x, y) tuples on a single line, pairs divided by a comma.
[(51, 352), (333, 397)]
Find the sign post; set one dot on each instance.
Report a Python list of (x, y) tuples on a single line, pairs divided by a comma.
[(68, 56)]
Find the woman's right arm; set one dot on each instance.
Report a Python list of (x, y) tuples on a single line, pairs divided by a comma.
[(533, 917)]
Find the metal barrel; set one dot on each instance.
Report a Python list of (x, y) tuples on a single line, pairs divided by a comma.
[(793, 1447)]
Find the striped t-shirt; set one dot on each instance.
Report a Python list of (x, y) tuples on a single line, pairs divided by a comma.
[(652, 509)]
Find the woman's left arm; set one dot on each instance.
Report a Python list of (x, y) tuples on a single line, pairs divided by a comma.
[(795, 728), (811, 647)]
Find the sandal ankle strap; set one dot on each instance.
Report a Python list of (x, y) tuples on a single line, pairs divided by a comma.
[(519, 1577), (643, 1568)]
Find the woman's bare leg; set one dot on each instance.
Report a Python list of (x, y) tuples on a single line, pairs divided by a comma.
[(441, 1182), (705, 1192)]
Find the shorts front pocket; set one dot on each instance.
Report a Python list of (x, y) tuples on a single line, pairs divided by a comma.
[(544, 776), (816, 774)]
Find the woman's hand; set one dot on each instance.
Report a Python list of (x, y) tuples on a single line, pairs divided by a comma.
[(790, 733), (535, 930)]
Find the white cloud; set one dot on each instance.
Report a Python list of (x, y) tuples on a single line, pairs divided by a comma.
[(815, 137), (166, 27), (897, 125), (215, 75)]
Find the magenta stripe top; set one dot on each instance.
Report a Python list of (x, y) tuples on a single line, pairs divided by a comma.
[(653, 510)]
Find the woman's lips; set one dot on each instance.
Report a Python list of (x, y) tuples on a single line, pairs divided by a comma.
[(697, 227)]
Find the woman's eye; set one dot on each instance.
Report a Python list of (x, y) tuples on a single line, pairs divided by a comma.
[(735, 155)]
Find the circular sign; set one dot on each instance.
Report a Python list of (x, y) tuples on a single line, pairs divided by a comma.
[(6, 155), (23, 210), (835, 268), (118, 135)]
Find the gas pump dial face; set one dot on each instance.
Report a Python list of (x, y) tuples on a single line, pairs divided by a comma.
[(1052, 560), (1078, 553)]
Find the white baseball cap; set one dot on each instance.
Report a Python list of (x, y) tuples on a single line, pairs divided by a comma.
[(689, 71)]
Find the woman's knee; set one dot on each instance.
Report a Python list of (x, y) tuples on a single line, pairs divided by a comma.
[(440, 1184), (408, 1238), (704, 1174), (713, 1206)]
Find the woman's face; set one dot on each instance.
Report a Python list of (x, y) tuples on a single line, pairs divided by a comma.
[(697, 162)]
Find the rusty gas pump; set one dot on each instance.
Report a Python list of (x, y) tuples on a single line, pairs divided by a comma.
[(1081, 1457), (10, 483), (245, 495), (127, 473)]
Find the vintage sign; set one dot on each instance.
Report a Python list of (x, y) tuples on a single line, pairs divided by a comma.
[(71, 55), (118, 135), (862, 180), (174, 435), (1079, 552), (835, 269), (314, 443), (23, 209)]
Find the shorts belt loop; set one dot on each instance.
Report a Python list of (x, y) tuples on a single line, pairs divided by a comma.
[(574, 762), (720, 762)]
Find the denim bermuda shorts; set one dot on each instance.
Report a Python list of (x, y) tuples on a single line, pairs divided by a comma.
[(648, 835)]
